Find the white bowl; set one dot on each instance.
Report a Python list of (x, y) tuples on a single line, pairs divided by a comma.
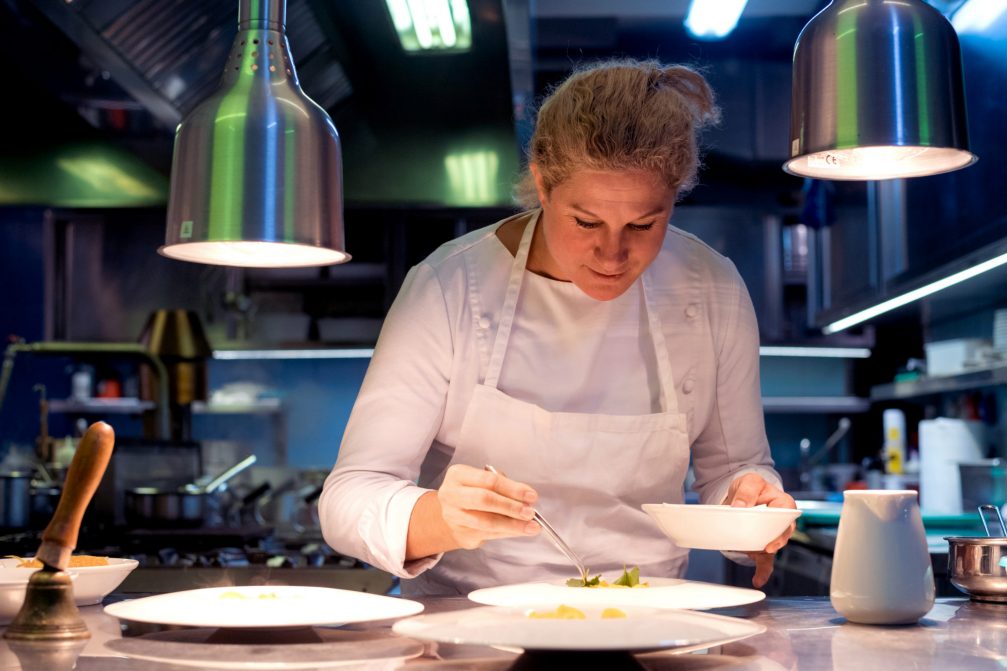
[(91, 583), (11, 597), (723, 528)]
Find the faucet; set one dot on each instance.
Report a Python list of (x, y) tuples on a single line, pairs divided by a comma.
[(808, 460)]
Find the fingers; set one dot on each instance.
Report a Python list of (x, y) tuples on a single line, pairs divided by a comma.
[(497, 482), (763, 568), (492, 526), (745, 491), (751, 489), (478, 505), (488, 501), (777, 543)]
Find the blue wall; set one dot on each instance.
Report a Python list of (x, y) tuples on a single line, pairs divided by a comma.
[(317, 396)]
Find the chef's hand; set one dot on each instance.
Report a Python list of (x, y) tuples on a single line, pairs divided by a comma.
[(478, 506), (752, 490)]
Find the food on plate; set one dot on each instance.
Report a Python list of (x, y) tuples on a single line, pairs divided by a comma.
[(561, 613), (571, 613), (239, 595), (76, 561), (629, 579), (584, 582)]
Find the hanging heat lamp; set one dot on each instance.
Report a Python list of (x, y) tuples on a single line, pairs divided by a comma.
[(878, 93), (256, 176)]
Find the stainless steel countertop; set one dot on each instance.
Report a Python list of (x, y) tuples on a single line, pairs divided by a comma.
[(804, 633)]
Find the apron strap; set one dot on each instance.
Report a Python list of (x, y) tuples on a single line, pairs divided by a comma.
[(669, 400), (510, 304)]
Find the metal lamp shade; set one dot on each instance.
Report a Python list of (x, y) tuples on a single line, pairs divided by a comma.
[(256, 177), (878, 93)]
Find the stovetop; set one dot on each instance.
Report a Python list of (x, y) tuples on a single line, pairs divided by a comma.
[(216, 547)]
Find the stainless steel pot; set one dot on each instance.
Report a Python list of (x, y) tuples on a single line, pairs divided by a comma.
[(186, 506), (15, 499), (977, 565), (44, 499)]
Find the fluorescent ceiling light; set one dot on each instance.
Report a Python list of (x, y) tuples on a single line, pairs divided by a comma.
[(713, 19), (247, 354), (428, 25), (975, 16), (472, 176), (915, 294), (816, 352)]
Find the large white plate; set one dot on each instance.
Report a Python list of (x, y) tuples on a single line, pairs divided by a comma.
[(335, 648), (662, 593), (271, 606), (641, 630)]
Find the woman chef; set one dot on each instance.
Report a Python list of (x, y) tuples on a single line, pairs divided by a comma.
[(586, 349)]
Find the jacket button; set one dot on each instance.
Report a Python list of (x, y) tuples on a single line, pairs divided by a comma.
[(688, 385), (484, 322), (691, 311)]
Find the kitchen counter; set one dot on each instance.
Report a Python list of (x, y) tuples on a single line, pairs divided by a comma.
[(803, 633)]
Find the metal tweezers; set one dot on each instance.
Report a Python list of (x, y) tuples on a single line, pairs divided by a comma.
[(554, 537)]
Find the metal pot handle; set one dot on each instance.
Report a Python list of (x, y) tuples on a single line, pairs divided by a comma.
[(214, 484), (985, 510)]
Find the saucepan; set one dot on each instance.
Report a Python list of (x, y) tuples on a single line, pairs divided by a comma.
[(977, 565), (185, 506)]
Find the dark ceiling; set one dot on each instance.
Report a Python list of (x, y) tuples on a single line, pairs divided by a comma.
[(131, 69)]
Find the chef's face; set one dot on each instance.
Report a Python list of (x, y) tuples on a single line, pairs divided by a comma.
[(601, 228)]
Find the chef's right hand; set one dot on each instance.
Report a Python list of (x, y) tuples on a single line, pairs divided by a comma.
[(478, 506)]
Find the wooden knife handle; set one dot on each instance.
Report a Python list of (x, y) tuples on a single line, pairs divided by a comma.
[(88, 465)]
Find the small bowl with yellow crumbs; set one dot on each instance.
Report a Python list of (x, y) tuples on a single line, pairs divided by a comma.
[(94, 577)]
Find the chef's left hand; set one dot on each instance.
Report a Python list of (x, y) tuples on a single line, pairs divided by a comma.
[(752, 490)]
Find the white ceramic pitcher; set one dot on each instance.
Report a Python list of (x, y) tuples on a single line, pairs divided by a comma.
[(881, 570)]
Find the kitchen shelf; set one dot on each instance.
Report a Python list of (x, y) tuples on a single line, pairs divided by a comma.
[(928, 386), (265, 406), (815, 404), (111, 406), (269, 408)]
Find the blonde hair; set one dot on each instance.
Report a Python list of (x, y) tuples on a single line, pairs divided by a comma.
[(621, 115)]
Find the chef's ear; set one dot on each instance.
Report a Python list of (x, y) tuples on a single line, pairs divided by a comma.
[(540, 189)]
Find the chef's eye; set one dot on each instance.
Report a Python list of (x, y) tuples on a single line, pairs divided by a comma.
[(641, 227), (587, 224)]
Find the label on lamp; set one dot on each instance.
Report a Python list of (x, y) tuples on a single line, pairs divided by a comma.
[(185, 232)]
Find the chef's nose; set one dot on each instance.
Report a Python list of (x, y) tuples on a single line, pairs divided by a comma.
[(611, 247)]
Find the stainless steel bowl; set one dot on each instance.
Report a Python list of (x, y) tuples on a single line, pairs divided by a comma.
[(977, 566)]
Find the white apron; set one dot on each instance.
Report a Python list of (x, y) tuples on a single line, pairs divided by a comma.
[(592, 472)]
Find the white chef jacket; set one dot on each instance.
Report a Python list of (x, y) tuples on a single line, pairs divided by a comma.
[(568, 353)]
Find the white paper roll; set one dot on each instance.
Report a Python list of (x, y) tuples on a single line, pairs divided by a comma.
[(944, 442)]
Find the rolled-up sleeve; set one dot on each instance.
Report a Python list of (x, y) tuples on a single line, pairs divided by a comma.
[(368, 498), (734, 440)]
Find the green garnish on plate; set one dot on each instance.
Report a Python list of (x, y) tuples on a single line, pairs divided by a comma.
[(629, 578), (584, 582)]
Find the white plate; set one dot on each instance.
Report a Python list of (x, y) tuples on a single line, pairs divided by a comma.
[(641, 630), (93, 583), (723, 528), (270, 606), (662, 593), (199, 648)]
